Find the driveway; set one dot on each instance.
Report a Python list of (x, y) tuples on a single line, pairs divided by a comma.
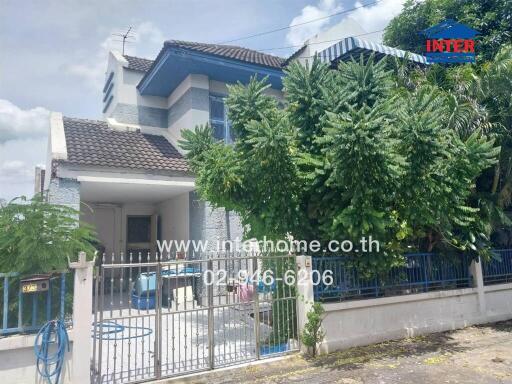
[(480, 354)]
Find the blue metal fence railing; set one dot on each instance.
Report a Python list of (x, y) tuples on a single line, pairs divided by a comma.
[(498, 270), (27, 312), (422, 272)]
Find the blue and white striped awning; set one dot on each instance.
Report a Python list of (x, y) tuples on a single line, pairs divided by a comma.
[(353, 47)]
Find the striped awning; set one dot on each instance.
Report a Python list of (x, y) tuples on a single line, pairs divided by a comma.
[(353, 47)]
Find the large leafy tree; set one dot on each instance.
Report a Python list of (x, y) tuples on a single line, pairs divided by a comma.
[(492, 18), (352, 153), (479, 101)]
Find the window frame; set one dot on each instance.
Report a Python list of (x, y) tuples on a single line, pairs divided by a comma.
[(225, 122)]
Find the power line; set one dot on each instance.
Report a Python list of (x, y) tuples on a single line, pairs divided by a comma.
[(320, 42), (299, 24)]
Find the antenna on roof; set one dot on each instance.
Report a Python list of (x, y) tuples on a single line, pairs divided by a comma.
[(126, 36)]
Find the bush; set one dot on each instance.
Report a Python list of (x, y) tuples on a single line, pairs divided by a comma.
[(312, 334), (38, 237)]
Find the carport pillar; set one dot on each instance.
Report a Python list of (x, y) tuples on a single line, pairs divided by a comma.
[(305, 296), (82, 311), (478, 283)]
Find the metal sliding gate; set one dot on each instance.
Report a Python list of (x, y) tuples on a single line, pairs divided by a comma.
[(169, 317)]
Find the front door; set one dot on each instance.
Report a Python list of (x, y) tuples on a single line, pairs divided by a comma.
[(141, 236)]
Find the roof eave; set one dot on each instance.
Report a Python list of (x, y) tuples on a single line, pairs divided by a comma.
[(170, 49)]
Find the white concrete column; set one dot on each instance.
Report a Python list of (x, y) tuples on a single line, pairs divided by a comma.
[(82, 310), (305, 295), (478, 283)]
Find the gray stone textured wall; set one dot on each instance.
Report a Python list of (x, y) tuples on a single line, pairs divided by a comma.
[(211, 224), (64, 192), (207, 223), (193, 98), (141, 115)]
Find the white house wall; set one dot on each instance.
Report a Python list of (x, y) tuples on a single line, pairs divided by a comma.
[(174, 218), (189, 105), (128, 106), (109, 222), (105, 219)]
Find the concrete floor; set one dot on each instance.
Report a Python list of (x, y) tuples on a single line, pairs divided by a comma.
[(128, 339)]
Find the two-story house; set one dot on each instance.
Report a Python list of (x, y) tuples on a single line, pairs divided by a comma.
[(126, 174)]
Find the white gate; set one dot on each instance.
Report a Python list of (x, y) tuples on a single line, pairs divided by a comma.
[(171, 317)]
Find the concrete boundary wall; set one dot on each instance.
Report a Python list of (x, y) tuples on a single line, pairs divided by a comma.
[(364, 322), (18, 362), (17, 359)]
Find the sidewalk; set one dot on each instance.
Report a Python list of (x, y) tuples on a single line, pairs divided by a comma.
[(481, 354)]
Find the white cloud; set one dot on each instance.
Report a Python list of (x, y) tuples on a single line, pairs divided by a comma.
[(298, 35), (16, 123), (91, 70), (18, 159), (362, 20), (14, 170), (147, 38), (376, 17), (23, 138)]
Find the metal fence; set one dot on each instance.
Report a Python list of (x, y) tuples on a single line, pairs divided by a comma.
[(159, 317), (27, 312), (421, 272), (498, 269)]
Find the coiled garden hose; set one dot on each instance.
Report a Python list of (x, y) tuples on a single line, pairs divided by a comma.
[(50, 349)]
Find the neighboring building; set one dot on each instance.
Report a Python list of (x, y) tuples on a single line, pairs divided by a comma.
[(127, 175), (345, 40), (39, 180)]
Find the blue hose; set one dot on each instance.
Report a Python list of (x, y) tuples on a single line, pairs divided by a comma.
[(111, 330), (50, 363)]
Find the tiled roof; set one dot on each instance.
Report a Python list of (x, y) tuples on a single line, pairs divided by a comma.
[(93, 143), (228, 51), (138, 63), (232, 52), (295, 54)]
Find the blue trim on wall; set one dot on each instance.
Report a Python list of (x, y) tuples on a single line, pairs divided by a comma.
[(107, 94), (109, 79), (176, 64), (108, 103)]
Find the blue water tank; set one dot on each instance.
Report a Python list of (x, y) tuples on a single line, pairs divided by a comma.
[(146, 282)]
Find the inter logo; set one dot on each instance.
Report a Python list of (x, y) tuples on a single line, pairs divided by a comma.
[(450, 42)]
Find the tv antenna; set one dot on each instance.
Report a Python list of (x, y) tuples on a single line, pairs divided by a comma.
[(126, 37)]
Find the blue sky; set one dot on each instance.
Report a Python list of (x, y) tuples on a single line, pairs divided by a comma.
[(53, 54)]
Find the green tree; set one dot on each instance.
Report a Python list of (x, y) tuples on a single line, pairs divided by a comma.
[(39, 237), (479, 100), (353, 153), (492, 18)]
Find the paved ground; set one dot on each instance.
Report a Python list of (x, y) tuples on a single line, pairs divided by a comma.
[(481, 354), (128, 338)]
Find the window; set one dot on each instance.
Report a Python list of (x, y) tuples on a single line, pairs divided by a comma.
[(219, 119), (139, 229)]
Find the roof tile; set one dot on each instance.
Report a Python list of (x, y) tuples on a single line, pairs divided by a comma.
[(138, 63), (92, 142), (227, 51)]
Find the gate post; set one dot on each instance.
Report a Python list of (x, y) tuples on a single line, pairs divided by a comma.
[(158, 319), (82, 312), (256, 307), (305, 295), (211, 330), (478, 282)]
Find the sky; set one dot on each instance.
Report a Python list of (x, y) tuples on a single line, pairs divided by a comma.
[(53, 54)]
